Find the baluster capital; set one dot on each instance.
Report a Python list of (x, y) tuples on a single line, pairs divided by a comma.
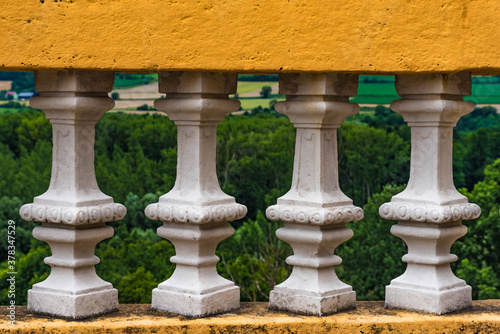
[(67, 97), (316, 100), (433, 99), (197, 97)]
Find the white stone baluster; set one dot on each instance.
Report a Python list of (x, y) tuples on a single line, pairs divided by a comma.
[(315, 210), (195, 213), (430, 209), (73, 211)]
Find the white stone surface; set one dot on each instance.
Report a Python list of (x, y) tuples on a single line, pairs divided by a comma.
[(320, 305), (73, 211), (430, 209), (315, 210), (76, 307), (196, 305), (195, 213)]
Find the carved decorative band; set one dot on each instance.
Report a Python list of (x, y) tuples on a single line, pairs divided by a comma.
[(73, 215), (322, 216), (168, 213), (429, 213)]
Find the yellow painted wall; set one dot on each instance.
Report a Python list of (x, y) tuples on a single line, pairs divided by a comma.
[(364, 36)]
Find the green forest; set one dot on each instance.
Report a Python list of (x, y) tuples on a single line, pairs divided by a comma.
[(135, 163)]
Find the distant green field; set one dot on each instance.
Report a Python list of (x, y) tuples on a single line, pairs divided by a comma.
[(374, 99), (8, 110), (483, 99), (133, 80), (251, 86), (247, 104), (376, 89), (382, 93), (385, 93), (485, 89)]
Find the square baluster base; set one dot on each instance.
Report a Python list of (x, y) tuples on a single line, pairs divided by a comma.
[(437, 302), (311, 305), (72, 306), (192, 305)]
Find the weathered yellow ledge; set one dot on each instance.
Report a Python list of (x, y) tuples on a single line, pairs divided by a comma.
[(362, 36), (369, 317)]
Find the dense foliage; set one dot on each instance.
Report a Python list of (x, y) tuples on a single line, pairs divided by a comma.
[(136, 162)]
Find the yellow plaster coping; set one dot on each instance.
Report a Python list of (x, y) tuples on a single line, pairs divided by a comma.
[(361, 36), (369, 317)]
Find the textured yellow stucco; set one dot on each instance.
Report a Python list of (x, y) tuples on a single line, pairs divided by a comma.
[(368, 318), (363, 36)]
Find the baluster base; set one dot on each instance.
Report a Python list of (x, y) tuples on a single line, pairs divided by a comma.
[(196, 305), (428, 284), (313, 288), (72, 306), (293, 301), (195, 289), (72, 290), (436, 302)]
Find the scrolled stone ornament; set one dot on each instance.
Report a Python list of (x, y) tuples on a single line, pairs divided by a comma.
[(71, 215), (429, 213), (193, 214), (319, 216)]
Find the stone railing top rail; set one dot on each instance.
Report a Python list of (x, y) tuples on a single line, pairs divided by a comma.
[(369, 317), (357, 36)]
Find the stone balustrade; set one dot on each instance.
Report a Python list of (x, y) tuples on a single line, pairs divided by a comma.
[(195, 213)]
